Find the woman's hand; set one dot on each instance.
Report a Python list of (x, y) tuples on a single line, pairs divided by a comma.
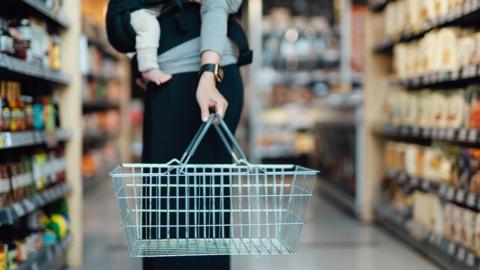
[(208, 96)]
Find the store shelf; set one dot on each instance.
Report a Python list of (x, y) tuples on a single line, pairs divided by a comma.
[(455, 135), (442, 79), (9, 140), (97, 140), (56, 17), (101, 78), (469, 12), (49, 258), (28, 205), (99, 105), (340, 197), (443, 252), (442, 190), (105, 49), (33, 70)]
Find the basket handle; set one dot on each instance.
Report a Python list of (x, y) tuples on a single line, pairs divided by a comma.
[(223, 132)]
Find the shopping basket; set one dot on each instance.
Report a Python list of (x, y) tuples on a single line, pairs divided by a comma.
[(183, 209)]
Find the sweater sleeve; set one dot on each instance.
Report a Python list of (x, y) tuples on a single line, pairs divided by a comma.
[(214, 23)]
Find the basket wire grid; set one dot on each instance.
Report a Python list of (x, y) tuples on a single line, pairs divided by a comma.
[(182, 209)]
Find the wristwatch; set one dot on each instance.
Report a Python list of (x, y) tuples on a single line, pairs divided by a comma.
[(215, 69)]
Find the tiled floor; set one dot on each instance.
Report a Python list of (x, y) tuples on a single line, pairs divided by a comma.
[(331, 240)]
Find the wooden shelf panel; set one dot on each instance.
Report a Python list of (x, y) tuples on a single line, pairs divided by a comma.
[(32, 70)]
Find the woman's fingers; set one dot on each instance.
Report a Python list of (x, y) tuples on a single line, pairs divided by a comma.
[(204, 109)]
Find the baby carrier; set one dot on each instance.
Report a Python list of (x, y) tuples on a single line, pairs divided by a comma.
[(179, 24)]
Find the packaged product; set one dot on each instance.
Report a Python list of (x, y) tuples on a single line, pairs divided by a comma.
[(411, 155), (437, 215), (467, 50), (441, 7), (473, 92), (477, 234), (468, 227), (474, 170), (457, 224), (413, 14), (448, 42), (448, 221), (438, 107), (457, 109), (427, 12)]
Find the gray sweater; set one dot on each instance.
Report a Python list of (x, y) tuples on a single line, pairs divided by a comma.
[(186, 57)]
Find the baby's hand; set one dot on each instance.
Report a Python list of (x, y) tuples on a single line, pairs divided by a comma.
[(156, 76)]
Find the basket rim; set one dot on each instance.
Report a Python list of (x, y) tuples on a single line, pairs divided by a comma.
[(292, 169)]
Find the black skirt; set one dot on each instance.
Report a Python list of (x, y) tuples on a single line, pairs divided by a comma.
[(171, 119)]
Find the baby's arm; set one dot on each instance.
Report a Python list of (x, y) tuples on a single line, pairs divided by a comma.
[(214, 23)]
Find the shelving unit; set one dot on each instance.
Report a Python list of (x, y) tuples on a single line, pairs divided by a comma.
[(33, 70), (49, 258), (382, 186), (28, 205), (468, 13), (446, 254), (57, 17), (65, 84)]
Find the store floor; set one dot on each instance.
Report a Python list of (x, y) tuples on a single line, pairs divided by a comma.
[(331, 240)]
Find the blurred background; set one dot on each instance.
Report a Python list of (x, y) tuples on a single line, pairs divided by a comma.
[(381, 96)]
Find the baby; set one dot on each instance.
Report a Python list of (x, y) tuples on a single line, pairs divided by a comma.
[(147, 28)]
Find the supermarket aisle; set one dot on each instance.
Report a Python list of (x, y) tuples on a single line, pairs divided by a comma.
[(331, 240), (104, 246)]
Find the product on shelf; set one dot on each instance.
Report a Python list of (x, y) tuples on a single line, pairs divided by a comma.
[(293, 43), (28, 39), (431, 109), (412, 15), (22, 110), (98, 162), (39, 230), (22, 176), (451, 165), (447, 49)]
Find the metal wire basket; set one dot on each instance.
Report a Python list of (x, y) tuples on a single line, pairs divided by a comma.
[(182, 209)]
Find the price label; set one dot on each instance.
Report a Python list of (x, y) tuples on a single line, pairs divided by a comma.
[(450, 193), (18, 209), (425, 185), (426, 132), (462, 135), (50, 255), (451, 248), (470, 259), (414, 181), (29, 205), (471, 200), (415, 131), (472, 135), (450, 134), (460, 198), (461, 253), (443, 190)]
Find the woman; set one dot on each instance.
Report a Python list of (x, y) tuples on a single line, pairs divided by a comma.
[(175, 110)]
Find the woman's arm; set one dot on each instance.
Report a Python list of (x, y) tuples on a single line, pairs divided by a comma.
[(213, 35)]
